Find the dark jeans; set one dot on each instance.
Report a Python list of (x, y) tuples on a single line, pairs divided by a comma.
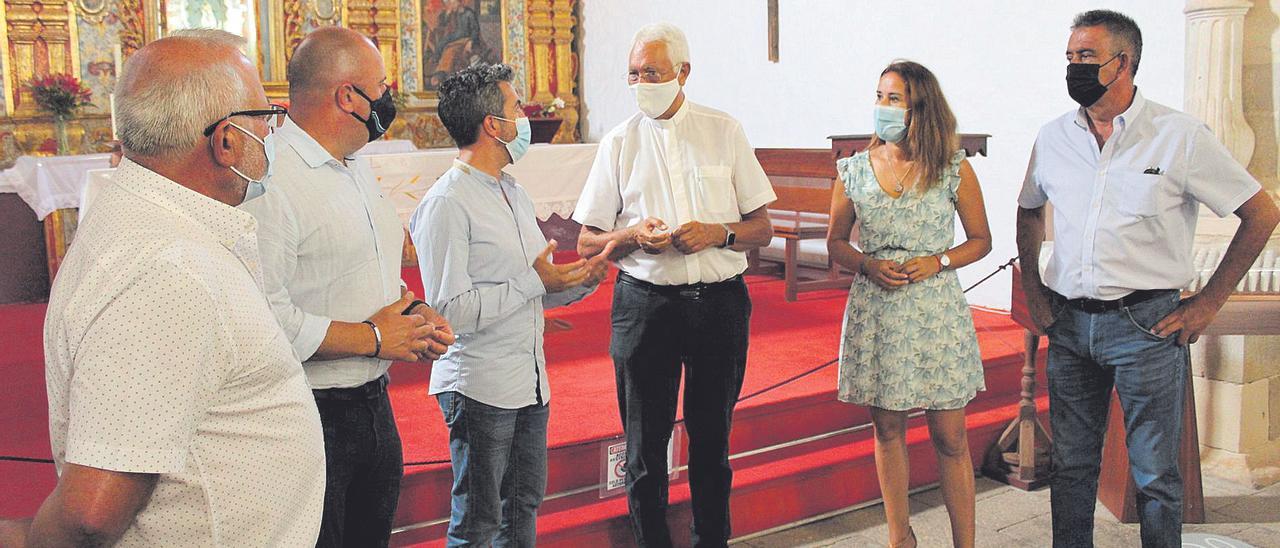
[(656, 330), (499, 471), (1089, 353), (363, 465)]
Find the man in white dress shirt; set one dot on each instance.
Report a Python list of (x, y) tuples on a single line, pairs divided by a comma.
[(1126, 178), (331, 247), (679, 192), (178, 413)]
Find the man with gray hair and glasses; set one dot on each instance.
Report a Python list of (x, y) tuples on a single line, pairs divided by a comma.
[(678, 192), (1126, 177), (178, 412)]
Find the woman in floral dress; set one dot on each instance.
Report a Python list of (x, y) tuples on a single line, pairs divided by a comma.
[(908, 339)]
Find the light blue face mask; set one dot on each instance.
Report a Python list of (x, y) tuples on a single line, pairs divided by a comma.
[(258, 188), (520, 145), (891, 124)]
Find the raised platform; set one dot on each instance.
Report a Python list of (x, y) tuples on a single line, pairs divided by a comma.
[(798, 451)]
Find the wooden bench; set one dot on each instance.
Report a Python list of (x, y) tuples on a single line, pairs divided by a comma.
[(802, 179)]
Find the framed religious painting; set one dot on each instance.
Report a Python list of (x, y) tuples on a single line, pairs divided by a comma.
[(264, 43), (239, 17), (456, 34)]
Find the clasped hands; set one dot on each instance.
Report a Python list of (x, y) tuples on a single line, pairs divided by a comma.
[(654, 237), (892, 274), (422, 335)]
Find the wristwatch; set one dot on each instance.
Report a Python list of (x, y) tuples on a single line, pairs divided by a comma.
[(945, 261), (730, 237)]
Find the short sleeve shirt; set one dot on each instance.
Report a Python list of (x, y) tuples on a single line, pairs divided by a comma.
[(1124, 217), (696, 166), (163, 357)]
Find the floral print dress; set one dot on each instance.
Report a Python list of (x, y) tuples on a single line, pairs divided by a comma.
[(914, 346)]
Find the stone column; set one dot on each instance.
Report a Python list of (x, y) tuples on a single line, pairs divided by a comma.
[(1236, 378), (1215, 50)]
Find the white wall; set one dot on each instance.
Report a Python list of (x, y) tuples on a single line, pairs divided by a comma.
[(1001, 64)]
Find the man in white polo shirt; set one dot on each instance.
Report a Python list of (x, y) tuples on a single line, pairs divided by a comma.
[(1126, 177), (679, 192), (178, 412)]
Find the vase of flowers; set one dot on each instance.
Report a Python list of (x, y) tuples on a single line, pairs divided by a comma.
[(61, 95), (544, 122)]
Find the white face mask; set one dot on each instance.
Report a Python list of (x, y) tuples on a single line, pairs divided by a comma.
[(655, 99)]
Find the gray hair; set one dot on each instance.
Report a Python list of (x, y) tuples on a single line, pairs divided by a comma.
[(671, 35), (159, 119), (215, 36), (1123, 30)]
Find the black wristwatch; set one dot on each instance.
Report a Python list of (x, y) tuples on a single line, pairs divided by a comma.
[(730, 237)]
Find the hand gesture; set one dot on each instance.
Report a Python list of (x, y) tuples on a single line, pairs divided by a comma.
[(559, 277), (440, 339), (1190, 319), (920, 268), (886, 274), (403, 337), (694, 236), (652, 236), (598, 267)]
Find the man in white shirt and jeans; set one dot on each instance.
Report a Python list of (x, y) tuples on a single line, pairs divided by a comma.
[(331, 247), (679, 192), (1126, 177), (178, 413)]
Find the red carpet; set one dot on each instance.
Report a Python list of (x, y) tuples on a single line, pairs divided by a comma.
[(786, 339)]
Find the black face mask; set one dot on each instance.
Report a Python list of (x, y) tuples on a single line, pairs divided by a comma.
[(1083, 84), (382, 112)]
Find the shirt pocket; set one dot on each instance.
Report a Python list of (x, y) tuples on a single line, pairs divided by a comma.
[(1144, 195), (717, 200)]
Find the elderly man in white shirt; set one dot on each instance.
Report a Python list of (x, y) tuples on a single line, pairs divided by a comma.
[(1125, 176), (678, 191), (178, 413), (331, 246)]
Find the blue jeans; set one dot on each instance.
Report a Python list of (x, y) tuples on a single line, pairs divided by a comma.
[(499, 471), (1089, 353)]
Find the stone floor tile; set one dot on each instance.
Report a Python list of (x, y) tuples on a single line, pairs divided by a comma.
[(1258, 536), (1012, 506), (986, 487), (1257, 510), (1008, 517)]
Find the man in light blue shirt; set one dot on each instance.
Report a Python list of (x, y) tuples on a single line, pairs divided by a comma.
[(485, 266), (331, 246), (1126, 177)]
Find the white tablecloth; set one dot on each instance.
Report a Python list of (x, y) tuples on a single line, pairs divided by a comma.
[(387, 146), (552, 174), (58, 182), (51, 182)]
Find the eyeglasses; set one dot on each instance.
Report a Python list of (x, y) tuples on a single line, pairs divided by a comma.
[(275, 117)]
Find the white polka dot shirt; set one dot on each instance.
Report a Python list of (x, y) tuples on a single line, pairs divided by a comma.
[(163, 356)]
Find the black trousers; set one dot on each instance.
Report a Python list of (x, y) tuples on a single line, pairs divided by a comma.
[(658, 332), (363, 465)]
